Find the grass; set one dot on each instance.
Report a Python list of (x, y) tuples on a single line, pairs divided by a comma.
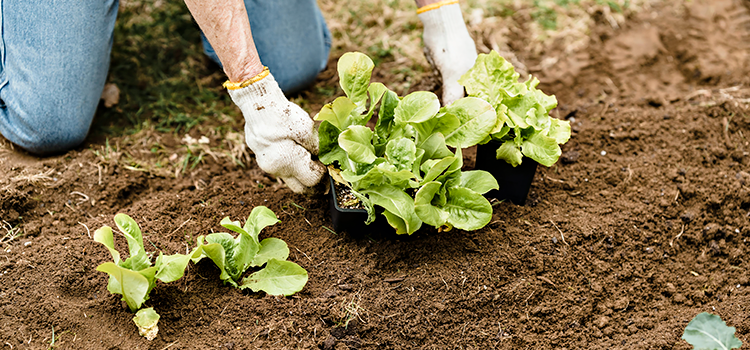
[(350, 311), (11, 232), (169, 88)]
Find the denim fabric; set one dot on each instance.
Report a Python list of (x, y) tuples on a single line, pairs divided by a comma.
[(54, 58), (292, 40)]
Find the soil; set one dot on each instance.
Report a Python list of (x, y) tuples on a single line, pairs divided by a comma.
[(345, 199), (642, 225)]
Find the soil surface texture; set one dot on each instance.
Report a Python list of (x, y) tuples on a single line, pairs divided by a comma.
[(640, 226)]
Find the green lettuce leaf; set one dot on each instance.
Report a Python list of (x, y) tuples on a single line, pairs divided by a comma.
[(133, 286), (260, 217), (170, 268), (559, 130), (104, 236), (707, 331), (443, 123), (277, 278), (435, 167), (520, 107), (381, 174), (401, 153), (510, 153), (138, 259), (548, 102), (398, 204), (238, 252), (467, 210), (271, 248), (417, 107), (427, 212), (357, 142), (478, 181), (233, 256), (386, 115), (477, 119), (492, 79), (542, 149), (376, 92), (355, 70), (435, 147), (340, 113), (329, 151), (217, 253)]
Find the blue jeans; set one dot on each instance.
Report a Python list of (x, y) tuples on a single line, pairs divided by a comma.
[(54, 58)]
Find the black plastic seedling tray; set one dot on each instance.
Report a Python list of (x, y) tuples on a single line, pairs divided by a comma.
[(352, 221), (514, 181)]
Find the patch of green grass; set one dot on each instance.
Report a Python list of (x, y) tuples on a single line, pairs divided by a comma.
[(614, 6), (546, 16), (378, 53), (164, 78)]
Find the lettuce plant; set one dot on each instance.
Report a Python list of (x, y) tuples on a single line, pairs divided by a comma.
[(233, 256), (523, 125), (135, 277), (404, 165)]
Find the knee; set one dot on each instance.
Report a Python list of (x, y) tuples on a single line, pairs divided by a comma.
[(303, 76), (45, 130)]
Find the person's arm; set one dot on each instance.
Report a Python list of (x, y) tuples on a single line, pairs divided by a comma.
[(447, 43), (225, 24), (422, 3), (279, 132)]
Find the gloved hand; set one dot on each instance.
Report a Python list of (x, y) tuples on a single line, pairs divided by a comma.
[(447, 45), (279, 132)]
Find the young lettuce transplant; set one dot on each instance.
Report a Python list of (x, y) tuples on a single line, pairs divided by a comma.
[(135, 277), (404, 165), (524, 126), (233, 256)]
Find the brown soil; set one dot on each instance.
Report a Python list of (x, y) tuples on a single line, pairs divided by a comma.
[(642, 225)]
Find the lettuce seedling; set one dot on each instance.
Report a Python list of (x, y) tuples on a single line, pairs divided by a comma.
[(233, 256), (710, 332), (135, 277), (523, 124), (404, 165)]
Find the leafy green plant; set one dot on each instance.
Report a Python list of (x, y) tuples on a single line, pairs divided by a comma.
[(404, 165), (135, 277), (709, 332), (524, 126), (233, 256)]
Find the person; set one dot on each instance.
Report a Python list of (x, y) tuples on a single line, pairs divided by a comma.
[(53, 70)]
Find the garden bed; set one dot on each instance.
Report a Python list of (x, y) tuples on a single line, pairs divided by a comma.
[(642, 225)]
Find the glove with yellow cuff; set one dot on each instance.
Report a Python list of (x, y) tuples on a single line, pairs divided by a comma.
[(280, 133), (447, 45)]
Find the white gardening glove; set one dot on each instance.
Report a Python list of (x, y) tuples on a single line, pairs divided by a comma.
[(447, 45), (279, 132)]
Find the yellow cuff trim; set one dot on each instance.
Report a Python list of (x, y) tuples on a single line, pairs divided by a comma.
[(236, 86), (436, 5)]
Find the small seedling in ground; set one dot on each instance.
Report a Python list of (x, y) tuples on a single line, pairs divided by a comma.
[(11, 232), (233, 256), (135, 277), (709, 332)]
